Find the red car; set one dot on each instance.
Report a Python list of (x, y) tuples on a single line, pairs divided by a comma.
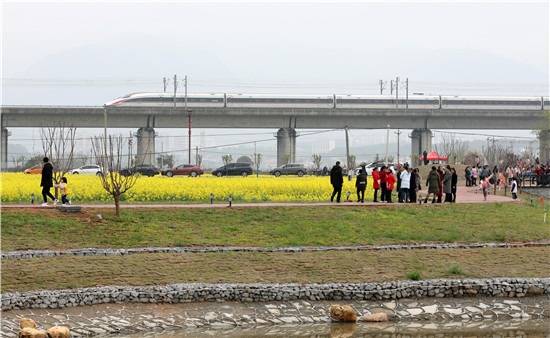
[(184, 169)]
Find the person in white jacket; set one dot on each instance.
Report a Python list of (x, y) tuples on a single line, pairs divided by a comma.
[(405, 185)]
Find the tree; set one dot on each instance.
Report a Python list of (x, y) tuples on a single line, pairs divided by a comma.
[(316, 158), (453, 147), (471, 158), (110, 158), (198, 159), (58, 144), (227, 159), (165, 159)]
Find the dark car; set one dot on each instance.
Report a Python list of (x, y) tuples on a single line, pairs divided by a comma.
[(184, 169), (234, 169), (146, 170), (289, 169)]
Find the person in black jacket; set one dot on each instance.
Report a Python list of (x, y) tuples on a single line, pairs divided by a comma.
[(454, 183), (361, 185), (46, 182), (337, 180)]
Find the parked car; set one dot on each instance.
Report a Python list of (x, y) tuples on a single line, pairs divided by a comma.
[(88, 170), (369, 167), (289, 169), (36, 170), (145, 169), (184, 169), (233, 169)]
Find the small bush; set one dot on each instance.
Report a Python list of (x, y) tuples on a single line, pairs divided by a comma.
[(455, 269), (414, 275)]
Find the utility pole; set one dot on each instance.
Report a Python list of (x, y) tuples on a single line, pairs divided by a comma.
[(382, 85), (197, 155), (188, 119), (164, 83), (398, 132), (256, 159), (397, 92), (387, 143), (347, 148), (407, 93), (175, 88), (391, 87)]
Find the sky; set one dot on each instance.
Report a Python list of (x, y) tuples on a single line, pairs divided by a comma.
[(87, 53)]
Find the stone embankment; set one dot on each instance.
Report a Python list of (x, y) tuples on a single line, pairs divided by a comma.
[(198, 292), (25, 254)]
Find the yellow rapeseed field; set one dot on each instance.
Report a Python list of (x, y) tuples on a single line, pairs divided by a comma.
[(18, 187)]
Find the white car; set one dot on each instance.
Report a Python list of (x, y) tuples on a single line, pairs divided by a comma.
[(88, 170), (369, 167)]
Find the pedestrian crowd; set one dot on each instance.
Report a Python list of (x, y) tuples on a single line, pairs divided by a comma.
[(441, 184)]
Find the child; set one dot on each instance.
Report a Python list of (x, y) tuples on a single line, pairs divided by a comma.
[(63, 186), (514, 188)]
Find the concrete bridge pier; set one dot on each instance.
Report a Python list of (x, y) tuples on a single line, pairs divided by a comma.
[(4, 148), (544, 146), (421, 139), (145, 146), (286, 146)]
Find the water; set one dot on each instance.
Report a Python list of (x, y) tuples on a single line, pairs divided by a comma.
[(525, 328)]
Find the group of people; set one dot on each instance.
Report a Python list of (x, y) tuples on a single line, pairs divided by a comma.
[(406, 181), (47, 182)]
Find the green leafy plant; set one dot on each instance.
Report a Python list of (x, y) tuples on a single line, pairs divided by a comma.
[(414, 275)]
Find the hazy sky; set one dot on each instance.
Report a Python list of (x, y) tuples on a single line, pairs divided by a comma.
[(86, 53)]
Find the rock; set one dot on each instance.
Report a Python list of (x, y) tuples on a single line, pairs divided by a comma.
[(343, 313), (27, 322), (30, 332), (59, 332), (375, 317), (535, 290)]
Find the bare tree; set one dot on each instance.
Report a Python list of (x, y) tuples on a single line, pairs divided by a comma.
[(316, 160), (199, 160), (109, 155), (227, 159), (453, 147), (352, 159), (58, 144), (257, 160)]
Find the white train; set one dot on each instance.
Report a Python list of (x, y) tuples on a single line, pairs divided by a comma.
[(331, 101)]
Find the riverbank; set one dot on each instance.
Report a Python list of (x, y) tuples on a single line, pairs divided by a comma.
[(201, 319)]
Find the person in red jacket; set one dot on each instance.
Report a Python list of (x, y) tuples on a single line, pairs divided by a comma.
[(383, 186), (390, 184), (375, 183)]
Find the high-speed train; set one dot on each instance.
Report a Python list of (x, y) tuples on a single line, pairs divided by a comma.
[(334, 101)]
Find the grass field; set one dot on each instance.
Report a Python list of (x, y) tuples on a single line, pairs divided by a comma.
[(362, 266), (269, 227)]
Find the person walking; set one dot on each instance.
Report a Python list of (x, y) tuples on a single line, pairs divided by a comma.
[(361, 185), (46, 182), (454, 184), (447, 184), (413, 186), (467, 176), (337, 181), (432, 182), (390, 184), (514, 188), (405, 186), (64, 189), (383, 186), (375, 183)]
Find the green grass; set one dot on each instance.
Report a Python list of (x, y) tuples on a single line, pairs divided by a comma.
[(455, 269), (276, 226), (310, 267)]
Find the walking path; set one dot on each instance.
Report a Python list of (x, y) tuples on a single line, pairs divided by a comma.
[(464, 195), (26, 254)]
